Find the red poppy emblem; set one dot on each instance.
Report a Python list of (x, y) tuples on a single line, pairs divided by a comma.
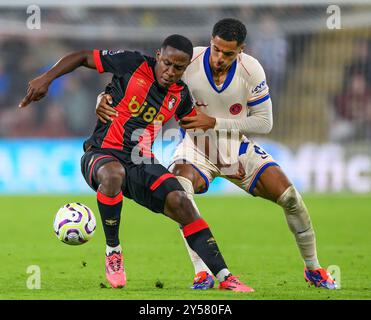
[(235, 108)]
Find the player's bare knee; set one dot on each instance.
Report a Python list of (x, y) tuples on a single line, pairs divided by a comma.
[(180, 208), (175, 200), (111, 178)]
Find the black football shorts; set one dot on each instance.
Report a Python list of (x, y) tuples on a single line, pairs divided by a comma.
[(146, 184)]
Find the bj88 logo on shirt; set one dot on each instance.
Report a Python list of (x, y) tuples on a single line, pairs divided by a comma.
[(148, 113)]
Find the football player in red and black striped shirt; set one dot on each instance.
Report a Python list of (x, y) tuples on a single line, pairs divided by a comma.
[(146, 91)]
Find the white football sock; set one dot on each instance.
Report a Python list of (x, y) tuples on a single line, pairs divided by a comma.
[(300, 225), (109, 249), (222, 275)]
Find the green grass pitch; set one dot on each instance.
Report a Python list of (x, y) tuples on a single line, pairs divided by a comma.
[(252, 235)]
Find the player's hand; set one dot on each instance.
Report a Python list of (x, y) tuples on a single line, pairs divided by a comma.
[(104, 109), (37, 89), (199, 121)]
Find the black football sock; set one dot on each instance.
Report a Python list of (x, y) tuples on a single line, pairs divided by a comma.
[(201, 240), (110, 212)]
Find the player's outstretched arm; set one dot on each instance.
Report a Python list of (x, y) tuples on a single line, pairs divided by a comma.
[(38, 87)]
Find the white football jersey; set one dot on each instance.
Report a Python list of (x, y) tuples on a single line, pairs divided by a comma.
[(244, 87)]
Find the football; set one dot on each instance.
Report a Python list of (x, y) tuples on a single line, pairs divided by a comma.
[(74, 223)]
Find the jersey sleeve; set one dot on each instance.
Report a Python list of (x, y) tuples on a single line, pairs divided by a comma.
[(258, 87), (186, 107), (116, 62)]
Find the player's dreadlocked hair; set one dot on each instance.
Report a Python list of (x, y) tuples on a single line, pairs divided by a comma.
[(230, 30), (179, 42)]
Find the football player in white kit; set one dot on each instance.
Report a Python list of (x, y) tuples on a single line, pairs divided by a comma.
[(233, 101)]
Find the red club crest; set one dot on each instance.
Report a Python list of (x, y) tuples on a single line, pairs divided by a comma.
[(235, 108)]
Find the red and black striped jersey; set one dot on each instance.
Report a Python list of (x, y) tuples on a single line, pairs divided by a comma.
[(142, 104)]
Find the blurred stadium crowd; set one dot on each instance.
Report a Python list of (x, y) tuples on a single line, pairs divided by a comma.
[(278, 37), (352, 104)]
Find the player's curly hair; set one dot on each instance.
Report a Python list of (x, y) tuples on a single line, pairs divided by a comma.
[(230, 29), (179, 42)]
